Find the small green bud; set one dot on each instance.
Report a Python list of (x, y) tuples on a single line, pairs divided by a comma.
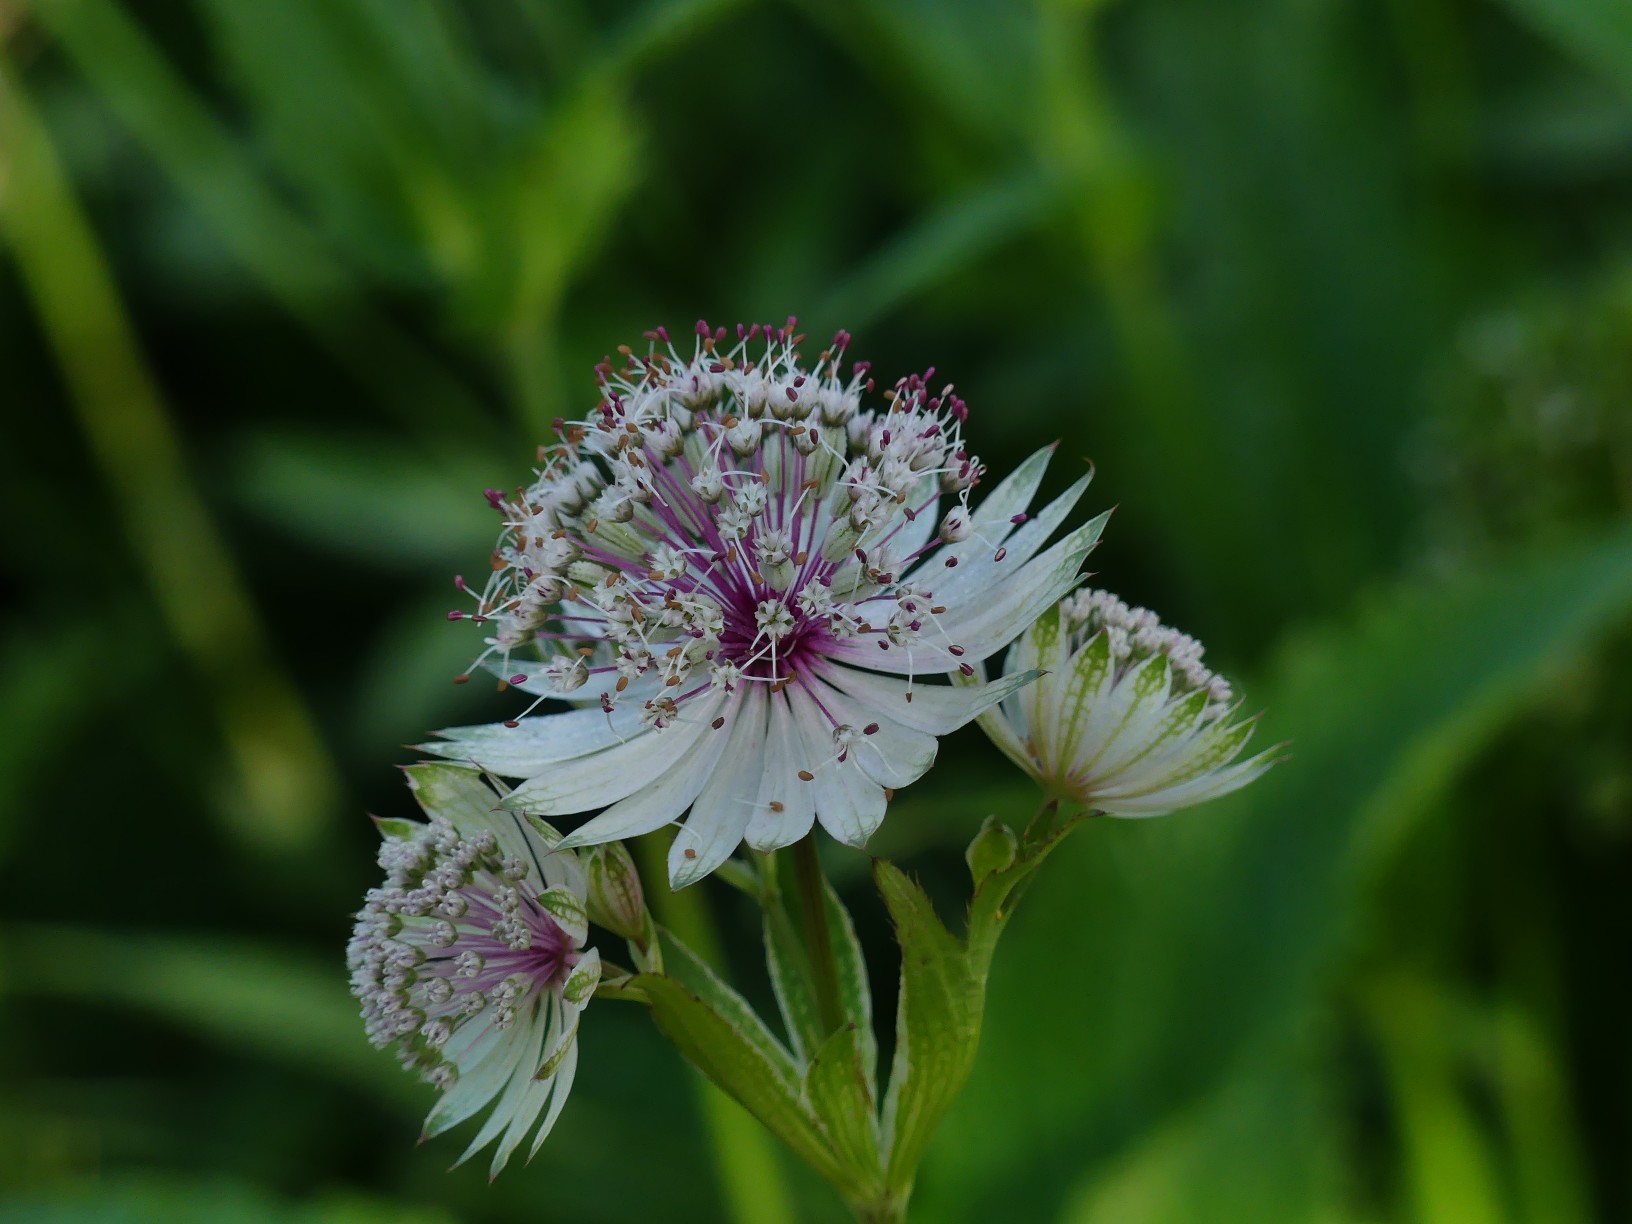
[(994, 849), (615, 899)]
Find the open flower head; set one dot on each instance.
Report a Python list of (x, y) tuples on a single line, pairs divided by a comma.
[(741, 576), (469, 959), (1126, 719)]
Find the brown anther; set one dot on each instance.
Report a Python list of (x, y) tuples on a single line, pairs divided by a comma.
[(464, 679), (801, 558), (938, 610), (585, 651), (729, 421), (718, 723), (671, 681), (592, 525), (812, 484), (623, 683), (776, 806), (673, 652), (806, 776), (511, 723), (690, 853)]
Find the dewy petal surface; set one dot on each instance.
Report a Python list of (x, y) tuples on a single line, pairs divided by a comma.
[(743, 577)]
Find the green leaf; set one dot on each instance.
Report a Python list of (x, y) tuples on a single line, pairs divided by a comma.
[(840, 1092), (789, 968), (731, 1054), (246, 996), (691, 971), (937, 1025), (855, 992)]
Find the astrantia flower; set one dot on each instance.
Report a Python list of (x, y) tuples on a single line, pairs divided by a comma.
[(469, 959), (1127, 720), (741, 575)]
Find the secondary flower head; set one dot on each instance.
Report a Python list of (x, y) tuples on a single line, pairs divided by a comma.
[(740, 574), (469, 959), (1126, 719)]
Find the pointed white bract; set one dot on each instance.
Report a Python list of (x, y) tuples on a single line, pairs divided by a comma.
[(469, 959), (741, 576), (1126, 719)]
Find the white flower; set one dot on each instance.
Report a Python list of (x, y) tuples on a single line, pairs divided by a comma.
[(755, 631), (1126, 719), (469, 959)]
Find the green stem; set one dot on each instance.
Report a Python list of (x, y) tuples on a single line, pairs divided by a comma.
[(818, 938), (751, 1179)]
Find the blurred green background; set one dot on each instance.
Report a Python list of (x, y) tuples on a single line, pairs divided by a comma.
[(1337, 294)]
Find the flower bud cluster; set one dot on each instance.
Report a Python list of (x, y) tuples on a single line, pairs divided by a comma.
[(455, 933), (1136, 634)]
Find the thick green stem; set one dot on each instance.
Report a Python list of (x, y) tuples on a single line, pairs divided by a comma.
[(818, 938)]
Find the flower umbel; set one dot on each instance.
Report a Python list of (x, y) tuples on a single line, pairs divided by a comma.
[(1127, 719), (740, 575), (468, 959)]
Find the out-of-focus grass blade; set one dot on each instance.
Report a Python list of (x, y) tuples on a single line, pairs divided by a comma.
[(284, 782), (47, 679), (1596, 32), (1249, 1151), (1451, 1172), (384, 503), (1172, 946), (942, 242), (386, 130), (198, 154), (216, 1201), (256, 999)]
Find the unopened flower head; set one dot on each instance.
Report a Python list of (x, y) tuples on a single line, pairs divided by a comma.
[(740, 574), (1127, 718), (469, 960)]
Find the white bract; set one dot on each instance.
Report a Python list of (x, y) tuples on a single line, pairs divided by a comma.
[(1126, 719), (740, 576), (469, 959)]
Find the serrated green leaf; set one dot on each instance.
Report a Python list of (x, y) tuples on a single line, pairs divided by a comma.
[(691, 971), (855, 991), (840, 1092), (736, 1061), (786, 961), (937, 1027)]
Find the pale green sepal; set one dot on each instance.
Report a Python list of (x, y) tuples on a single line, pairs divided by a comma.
[(567, 910), (840, 1093), (993, 849), (397, 829), (583, 979), (563, 1047), (1084, 682), (544, 829)]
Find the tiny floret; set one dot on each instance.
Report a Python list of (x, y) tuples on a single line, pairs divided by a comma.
[(469, 960), (1127, 719), (729, 563)]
